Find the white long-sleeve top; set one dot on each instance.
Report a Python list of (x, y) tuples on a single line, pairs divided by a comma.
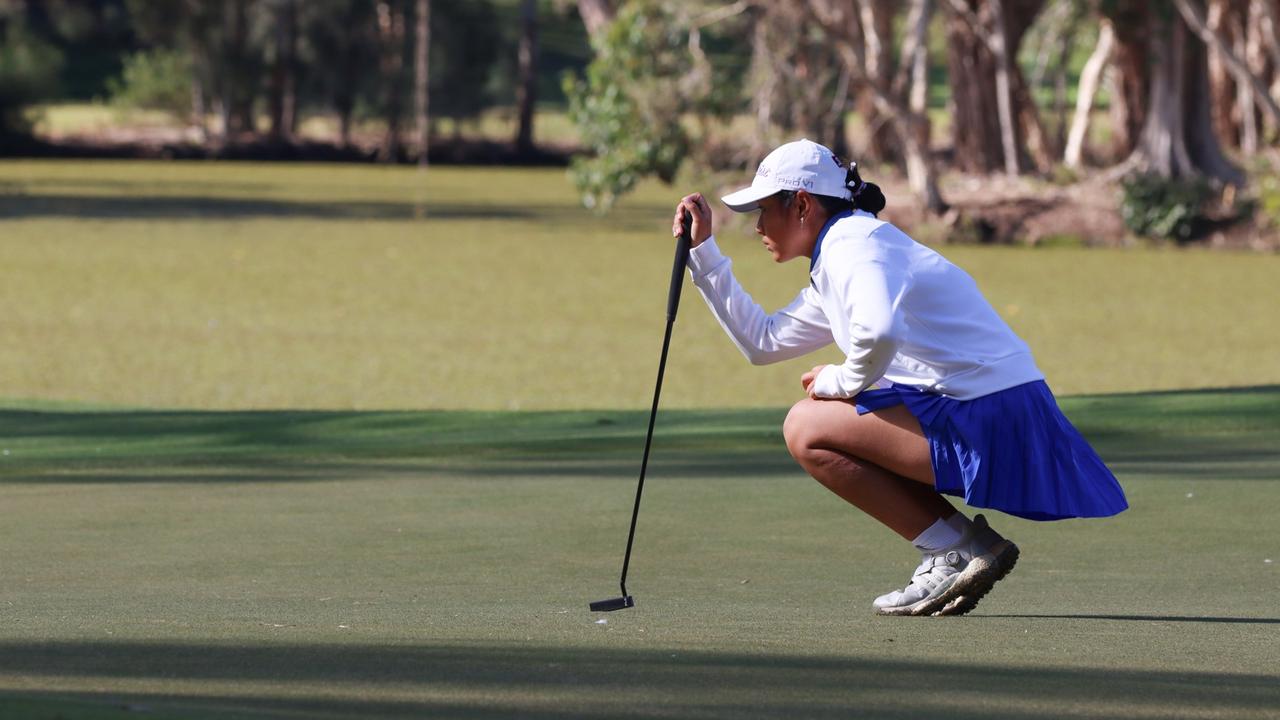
[(898, 310)]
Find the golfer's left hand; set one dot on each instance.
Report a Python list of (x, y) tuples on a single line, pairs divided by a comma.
[(696, 207), (806, 380)]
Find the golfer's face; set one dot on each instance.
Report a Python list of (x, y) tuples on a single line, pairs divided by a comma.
[(778, 226)]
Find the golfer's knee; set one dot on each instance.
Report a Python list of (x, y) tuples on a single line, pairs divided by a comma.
[(801, 431)]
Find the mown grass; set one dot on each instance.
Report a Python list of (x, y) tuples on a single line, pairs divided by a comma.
[(238, 285), (551, 126), (187, 564), (201, 520)]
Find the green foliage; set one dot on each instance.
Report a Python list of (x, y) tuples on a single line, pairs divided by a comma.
[(1164, 208), (29, 67), (1268, 201), (629, 108), (154, 80)]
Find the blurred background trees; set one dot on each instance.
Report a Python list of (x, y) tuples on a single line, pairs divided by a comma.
[(1172, 99)]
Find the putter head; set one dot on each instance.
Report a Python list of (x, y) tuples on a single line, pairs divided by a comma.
[(618, 603)]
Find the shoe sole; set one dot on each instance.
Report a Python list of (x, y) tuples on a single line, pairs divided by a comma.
[(965, 592), (924, 607)]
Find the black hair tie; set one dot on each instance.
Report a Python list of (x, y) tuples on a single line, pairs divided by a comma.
[(851, 177)]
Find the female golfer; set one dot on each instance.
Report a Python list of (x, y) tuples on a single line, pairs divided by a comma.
[(936, 395)]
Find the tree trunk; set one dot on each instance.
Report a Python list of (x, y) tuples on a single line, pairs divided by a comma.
[(241, 95), (349, 71), (908, 118), (1067, 29), (1090, 77), (1222, 98), (391, 49), (922, 176), (1004, 90), (283, 98), (421, 88), (1178, 140), (1248, 115), (1132, 66), (764, 81), (199, 89), (797, 70), (1269, 39), (1257, 61), (983, 40), (344, 125), (876, 18), (527, 74), (596, 15), (1196, 22)]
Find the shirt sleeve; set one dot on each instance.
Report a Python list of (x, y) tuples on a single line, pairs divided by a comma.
[(799, 328), (870, 292)]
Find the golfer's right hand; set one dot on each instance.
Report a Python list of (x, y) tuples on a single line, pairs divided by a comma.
[(696, 207)]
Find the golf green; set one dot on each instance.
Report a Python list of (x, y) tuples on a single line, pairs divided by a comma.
[(439, 564)]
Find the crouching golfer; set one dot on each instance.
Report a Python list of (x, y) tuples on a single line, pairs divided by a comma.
[(936, 395)]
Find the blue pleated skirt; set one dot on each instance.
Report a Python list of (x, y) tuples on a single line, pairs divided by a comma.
[(1012, 451)]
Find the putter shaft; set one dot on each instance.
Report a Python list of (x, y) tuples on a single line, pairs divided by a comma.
[(673, 305)]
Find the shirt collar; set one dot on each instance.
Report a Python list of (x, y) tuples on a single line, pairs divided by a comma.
[(817, 245)]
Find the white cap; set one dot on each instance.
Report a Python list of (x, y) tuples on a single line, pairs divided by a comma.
[(800, 165)]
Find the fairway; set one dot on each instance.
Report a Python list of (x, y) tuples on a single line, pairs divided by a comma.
[(240, 285), (438, 564), (319, 441)]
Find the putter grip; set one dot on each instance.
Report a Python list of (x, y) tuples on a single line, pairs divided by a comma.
[(677, 268)]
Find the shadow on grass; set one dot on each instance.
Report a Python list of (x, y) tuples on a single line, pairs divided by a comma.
[(1211, 435), (196, 206), (149, 186), (1145, 618), (17, 206), (468, 681)]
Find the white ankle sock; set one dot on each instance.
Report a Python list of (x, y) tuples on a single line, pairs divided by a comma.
[(939, 536), (959, 522)]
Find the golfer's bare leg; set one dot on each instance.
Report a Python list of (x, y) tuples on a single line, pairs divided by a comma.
[(879, 462)]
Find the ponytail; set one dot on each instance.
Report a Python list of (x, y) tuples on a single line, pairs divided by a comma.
[(863, 195)]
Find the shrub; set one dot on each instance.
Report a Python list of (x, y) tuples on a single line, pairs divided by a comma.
[(1164, 208), (632, 108), (154, 80), (1268, 202), (29, 68)]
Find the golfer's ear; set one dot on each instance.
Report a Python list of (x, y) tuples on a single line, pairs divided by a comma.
[(804, 204)]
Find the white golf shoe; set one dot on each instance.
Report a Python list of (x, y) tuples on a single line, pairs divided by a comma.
[(952, 581)]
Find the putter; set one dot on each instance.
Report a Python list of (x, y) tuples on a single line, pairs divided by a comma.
[(673, 303)]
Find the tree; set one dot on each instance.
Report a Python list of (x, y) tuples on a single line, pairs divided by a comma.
[(883, 144), (1131, 73), (597, 15), (1177, 139), (463, 56), (283, 88), (238, 71), (1090, 76), (798, 85), (29, 66), (1250, 89), (341, 35), (421, 77), (649, 74), (983, 41), (391, 66), (527, 73), (904, 103)]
